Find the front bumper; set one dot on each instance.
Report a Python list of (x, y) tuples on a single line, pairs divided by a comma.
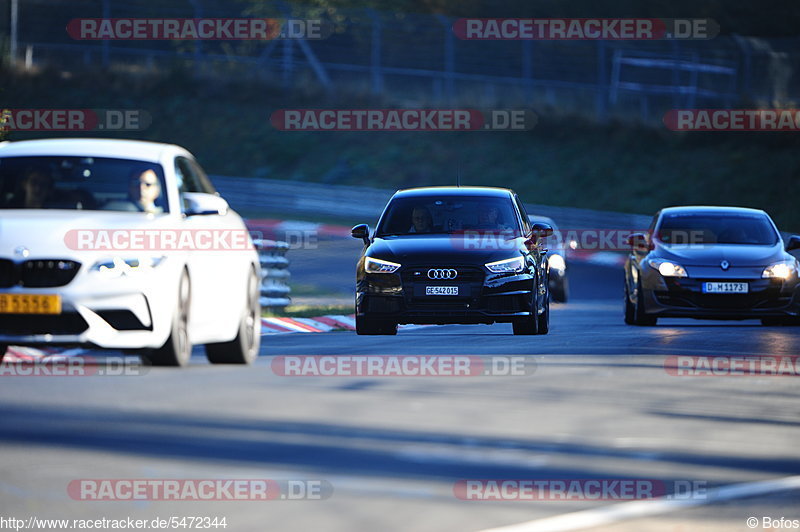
[(684, 297), (483, 298), (121, 313)]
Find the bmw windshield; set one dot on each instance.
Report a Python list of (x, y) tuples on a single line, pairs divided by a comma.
[(81, 183), (448, 215)]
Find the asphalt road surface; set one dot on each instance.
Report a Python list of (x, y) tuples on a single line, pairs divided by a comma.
[(598, 401)]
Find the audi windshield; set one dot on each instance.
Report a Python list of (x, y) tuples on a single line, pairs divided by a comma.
[(446, 215)]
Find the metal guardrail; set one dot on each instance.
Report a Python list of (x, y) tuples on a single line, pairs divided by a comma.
[(274, 273), (285, 197)]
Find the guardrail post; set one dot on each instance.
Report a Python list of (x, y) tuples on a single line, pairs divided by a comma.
[(105, 45), (603, 92), (274, 273), (375, 56)]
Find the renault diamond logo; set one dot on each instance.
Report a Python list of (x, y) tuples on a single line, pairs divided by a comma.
[(724, 264), (441, 273)]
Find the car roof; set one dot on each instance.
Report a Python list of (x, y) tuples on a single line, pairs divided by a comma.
[(709, 209), (454, 191), (90, 147)]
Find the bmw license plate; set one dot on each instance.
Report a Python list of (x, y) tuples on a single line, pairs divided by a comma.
[(725, 288), (441, 290), (30, 304)]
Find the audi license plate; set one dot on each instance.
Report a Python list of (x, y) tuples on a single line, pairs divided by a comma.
[(725, 288), (441, 290)]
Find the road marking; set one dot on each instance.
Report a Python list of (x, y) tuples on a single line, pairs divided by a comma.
[(636, 509)]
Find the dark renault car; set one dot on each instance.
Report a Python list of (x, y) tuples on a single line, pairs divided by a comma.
[(713, 263), (453, 255)]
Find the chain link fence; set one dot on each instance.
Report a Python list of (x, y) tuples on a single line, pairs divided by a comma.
[(411, 60)]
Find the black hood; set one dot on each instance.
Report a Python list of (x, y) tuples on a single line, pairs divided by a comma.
[(426, 249), (712, 255)]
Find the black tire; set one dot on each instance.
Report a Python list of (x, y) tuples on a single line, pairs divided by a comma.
[(373, 326), (641, 317), (176, 351), (630, 309), (528, 325), (244, 348), (3, 350), (543, 320), (560, 293)]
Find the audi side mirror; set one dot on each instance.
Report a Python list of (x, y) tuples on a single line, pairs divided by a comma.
[(793, 243), (361, 231), (541, 230)]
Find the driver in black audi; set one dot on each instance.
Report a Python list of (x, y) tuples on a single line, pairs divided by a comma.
[(468, 255)]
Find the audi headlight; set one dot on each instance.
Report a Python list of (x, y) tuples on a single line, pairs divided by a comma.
[(517, 264), (119, 266), (557, 263), (668, 269), (380, 266), (780, 270)]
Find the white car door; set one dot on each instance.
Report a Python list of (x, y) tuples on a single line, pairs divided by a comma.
[(218, 275)]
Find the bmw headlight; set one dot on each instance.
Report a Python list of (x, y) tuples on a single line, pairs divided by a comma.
[(780, 270), (372, 265), (668, 269), (517, 264), (119, 266), (557, 263)]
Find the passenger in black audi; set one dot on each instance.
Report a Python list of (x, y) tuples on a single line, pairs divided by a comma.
[(441, 276), (713, 263)]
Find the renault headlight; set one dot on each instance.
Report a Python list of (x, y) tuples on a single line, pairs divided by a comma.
[(780, 270), (380, 266), (517, 264), (668, 269)]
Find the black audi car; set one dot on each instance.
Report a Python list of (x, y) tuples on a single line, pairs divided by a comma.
[(713, 263), (444, 255)]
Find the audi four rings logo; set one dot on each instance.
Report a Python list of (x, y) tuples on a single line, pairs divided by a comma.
[(442, 273)]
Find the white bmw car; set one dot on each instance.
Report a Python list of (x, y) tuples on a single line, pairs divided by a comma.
[(123, 245)]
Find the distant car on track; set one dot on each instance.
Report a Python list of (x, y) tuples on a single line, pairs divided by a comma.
[(153, 300), (556, 259), (713, 263), (452, 255)]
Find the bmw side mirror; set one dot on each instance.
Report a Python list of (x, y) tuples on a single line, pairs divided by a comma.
[(793, 243), (361, 231), (199, 204)]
